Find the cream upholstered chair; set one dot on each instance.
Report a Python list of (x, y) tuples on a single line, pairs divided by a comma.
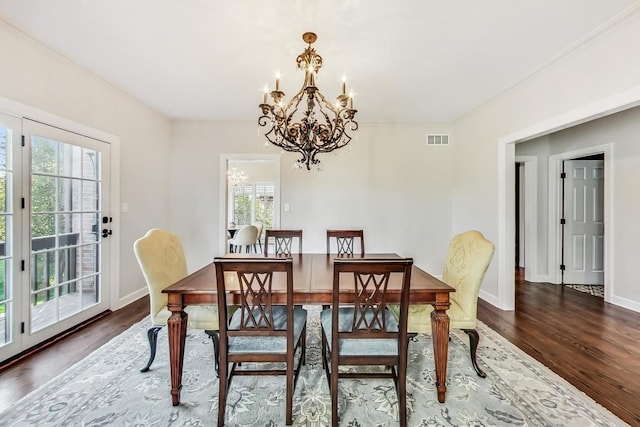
[(163, 263), (247, 236), (467, 261)]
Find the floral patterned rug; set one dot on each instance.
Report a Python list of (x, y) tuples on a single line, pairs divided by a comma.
[(107, 388)]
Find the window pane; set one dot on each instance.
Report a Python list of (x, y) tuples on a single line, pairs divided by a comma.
[(69, 194), (43, 196), (69, 160), (43, 155), (3, 191), (90, 162)]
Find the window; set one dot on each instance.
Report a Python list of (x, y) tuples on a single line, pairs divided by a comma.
[(253, 203)]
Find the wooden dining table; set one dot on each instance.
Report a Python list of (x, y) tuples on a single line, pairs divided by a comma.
[(313, 284)]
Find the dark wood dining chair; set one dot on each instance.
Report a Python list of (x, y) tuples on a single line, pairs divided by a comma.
[(365, 332), (283, 241), (345, 241), (258, 331)]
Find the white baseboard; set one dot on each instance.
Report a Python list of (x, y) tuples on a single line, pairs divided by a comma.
[(491, 299), (539, 278), (625, 303), (128, 299)]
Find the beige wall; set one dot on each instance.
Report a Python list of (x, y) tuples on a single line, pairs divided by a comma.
[(389, 183)]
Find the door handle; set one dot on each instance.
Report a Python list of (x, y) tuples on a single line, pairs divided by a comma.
[(106, 233)]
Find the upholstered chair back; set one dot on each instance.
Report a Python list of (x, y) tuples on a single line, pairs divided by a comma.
[(467, 262), (468, 258), (162, 261), (246, 237)]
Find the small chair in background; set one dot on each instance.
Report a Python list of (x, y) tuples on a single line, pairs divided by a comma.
[(258, 243), (367, 333), (245, 237), (259, 331), (345, 241), (283, 241), (162, 261)]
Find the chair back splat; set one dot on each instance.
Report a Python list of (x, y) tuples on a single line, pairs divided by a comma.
[(283, 241), (345, 240), (265, 327), (365, 332)]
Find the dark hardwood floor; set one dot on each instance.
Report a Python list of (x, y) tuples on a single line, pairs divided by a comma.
[(592, 344)]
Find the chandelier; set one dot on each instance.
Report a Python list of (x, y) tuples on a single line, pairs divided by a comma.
[(236, 179), (311, 127)]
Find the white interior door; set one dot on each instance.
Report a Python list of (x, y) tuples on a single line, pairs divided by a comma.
[(584, 226)]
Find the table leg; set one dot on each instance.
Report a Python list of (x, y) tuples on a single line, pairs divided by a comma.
[(440, 333), (177, 331)]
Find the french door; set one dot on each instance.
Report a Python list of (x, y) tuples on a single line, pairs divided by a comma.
[(56, 254)]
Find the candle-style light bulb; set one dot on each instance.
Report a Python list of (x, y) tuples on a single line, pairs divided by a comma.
[(277, 80), (266, 91), (344, 84), (351, 100)]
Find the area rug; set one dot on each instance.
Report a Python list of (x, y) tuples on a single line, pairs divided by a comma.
[(106, 388), (595, 290)]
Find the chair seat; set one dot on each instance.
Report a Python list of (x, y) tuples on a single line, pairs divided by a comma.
[(354, 347), (419, 318), (277, 344), (199, 317)]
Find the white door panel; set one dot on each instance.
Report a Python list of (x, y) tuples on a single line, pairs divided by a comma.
[(584, 228)]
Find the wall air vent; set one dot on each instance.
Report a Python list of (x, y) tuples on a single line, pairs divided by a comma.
[(437, 139)]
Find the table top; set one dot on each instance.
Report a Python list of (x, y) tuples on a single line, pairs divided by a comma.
[(312, 281)]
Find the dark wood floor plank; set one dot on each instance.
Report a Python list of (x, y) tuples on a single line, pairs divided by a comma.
[(590, 343)]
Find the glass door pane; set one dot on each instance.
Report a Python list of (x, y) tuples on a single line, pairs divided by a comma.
[(10, 137), (67, 256), (65, 210)]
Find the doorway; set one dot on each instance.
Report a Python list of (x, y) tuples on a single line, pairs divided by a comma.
[(54, 257), (249, 193), (582, 221)]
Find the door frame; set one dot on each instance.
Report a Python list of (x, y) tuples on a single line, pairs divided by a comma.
[(505, 249), (555, 212), (17, 109), (530, 164), (224, 187)]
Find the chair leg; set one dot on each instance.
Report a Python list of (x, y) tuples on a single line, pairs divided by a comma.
[(289, 391), (152, 334), (223, 385), (474, 340), (325, 365), (334, 390), (216, 351)]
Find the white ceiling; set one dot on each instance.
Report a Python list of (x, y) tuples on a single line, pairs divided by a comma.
[(406, 61)]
